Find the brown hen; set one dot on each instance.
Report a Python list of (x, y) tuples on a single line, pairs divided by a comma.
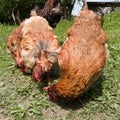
[(82, 57), (39, 46)]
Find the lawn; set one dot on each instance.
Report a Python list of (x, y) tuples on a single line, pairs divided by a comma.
[(22, 99)]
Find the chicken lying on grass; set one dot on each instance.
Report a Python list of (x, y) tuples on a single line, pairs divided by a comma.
[(82, 57), (38, 46)]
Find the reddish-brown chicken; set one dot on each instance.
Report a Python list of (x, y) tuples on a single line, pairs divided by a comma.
[(82, 57), (39, 46), (13, 47), (34, 46)]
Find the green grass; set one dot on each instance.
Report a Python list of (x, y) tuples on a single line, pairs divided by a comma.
[(21, 99)]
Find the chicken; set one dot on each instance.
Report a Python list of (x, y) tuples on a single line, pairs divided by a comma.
[(52, 12), (82, 57), (39, 46), (13, 47)]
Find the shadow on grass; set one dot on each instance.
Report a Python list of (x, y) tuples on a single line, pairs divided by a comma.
[(61, 42), (94, 92), (53, 75)]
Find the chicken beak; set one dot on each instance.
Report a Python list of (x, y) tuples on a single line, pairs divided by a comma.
[(23, 68), (46, 88)]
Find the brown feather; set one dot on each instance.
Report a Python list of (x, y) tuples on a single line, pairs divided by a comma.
[(13, 46), (82, 56), (38, 37), (39, 46)]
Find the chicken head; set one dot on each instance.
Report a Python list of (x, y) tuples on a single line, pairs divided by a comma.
[(38, 72)]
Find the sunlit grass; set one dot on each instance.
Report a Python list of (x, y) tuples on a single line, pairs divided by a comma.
[(22, 99)]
